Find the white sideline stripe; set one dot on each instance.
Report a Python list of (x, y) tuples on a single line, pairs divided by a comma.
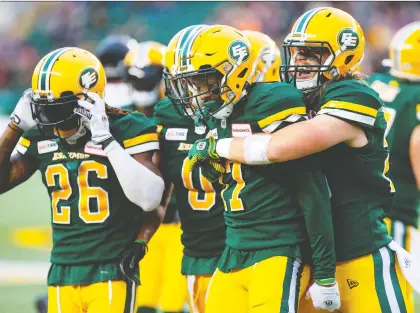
[(23, 272)]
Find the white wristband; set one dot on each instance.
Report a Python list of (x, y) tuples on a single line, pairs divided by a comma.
[(223, 147), (255, 149)]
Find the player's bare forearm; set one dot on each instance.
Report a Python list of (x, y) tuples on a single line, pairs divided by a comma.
[(313, 197), (152, 220), (13, 170), (298, 140), (415, 154)]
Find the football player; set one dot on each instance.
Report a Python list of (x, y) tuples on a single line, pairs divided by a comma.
[(268, 60), (142, 69), (198, 200), (400, 91), (163, 286), (350, 125), (96, 163), (111, 51), (270, 210)]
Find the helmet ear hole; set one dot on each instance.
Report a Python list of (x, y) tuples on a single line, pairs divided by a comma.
[(242, 74), (348, 59)]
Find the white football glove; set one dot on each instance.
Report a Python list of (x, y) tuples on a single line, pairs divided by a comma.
[(95, 113), (22, 115), (324, 298)]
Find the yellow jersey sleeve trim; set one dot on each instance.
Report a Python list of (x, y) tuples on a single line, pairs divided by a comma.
[(351, 107), (140, 140), (159, 129), (281, 116), (24, 142)]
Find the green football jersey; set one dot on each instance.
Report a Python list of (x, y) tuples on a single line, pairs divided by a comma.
[(198, 201), (357, 177), (402, 101), (92, 220), (270, 210)]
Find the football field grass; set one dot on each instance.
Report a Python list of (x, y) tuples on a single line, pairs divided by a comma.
[(24, 246)]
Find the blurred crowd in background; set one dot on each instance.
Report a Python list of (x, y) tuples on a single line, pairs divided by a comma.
[(29, 30)]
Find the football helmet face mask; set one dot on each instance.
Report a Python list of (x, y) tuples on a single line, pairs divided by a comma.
[(208, 70), (324, 43), (268, 56), (61, 78), (142, 69), (404, 53)]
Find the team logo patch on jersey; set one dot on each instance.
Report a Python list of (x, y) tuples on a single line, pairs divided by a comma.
[(352, 283), (47, 146), (241, 130), (176, 134), (91, 148), (184, 146), (238, 51), (88, 78), (348, 37)]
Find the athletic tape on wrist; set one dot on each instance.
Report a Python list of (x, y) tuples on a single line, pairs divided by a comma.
[(255, 149), (223, 147)]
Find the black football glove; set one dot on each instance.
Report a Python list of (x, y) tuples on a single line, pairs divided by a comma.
[(130, 261)]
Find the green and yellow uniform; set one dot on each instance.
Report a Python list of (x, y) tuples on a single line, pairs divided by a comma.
[(163, 285), (93, 222), (402, 101), (198, 201), (269, 212), (361, 193)]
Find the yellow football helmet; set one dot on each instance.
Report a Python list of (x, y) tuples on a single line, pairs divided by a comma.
[(208, 68), (60, 79), (404, 52), (327, 33), (142, 70), (268, 60)]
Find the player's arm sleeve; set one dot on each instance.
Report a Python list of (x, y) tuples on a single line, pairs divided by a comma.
[(278, 108), (314, 200), (352, 101), (139, 134), (133, 163)]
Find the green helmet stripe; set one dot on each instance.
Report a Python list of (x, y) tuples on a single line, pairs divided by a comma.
[(181, 41), (305, 21), (189, 42), (48, 66), (43, 72), (305, 16)]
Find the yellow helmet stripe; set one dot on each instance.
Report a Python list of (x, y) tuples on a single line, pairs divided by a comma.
[(398, 42), (45, 73)]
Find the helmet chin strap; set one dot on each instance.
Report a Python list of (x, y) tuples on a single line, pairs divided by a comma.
[(224, 112), (79, 132)]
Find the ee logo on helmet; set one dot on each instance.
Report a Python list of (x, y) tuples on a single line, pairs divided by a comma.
[(88, 78), (238, 51), (349, 38)]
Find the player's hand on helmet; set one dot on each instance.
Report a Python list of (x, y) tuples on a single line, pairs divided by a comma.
[(129, 264), (22, 115), (93, 109), (201, 152), (325, 295), (212, 170)]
